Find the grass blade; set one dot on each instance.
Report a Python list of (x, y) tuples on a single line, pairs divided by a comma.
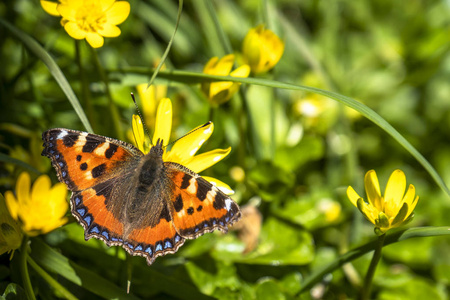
[(54, 69)]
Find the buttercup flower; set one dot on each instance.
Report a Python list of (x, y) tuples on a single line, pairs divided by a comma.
[(150, 98), (89, 19), (390, 211), (220, 92), (10, 233), (184, 150), (262, 49), (40, 211)]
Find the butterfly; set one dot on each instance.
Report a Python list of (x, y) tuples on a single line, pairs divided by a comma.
[(135, 200)]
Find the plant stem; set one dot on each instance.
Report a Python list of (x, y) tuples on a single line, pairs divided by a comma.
[(85, 94), (50, 280), (24, 269), (365, 295), (112, 106)]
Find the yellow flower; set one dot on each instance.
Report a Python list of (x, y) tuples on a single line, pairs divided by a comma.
[(150, 98), (184, 150), (10, 233), (222, 91), (390, 211), (262, 49), (40, 211), (89, 19)]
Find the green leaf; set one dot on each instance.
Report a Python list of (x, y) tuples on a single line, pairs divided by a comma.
[(413, 289), (55, 262), (281, 244), (54, 69), (268, 289), (14, 291), (273, 186)]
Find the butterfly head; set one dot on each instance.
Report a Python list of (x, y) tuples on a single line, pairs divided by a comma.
[(158, 148)]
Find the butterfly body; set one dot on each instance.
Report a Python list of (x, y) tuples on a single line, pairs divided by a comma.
[(138, 201)]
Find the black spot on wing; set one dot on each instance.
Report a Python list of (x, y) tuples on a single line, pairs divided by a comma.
[(92, 143), (165, 214), (98, 170), (202, 190), (83, 166), (185, 183), (111, 150), (69, 140), (178, 204), (78, 157), (103, 189), (219, 201), (199, 208), (190, 210)]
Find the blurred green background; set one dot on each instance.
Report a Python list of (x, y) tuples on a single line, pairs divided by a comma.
[(392, 56)]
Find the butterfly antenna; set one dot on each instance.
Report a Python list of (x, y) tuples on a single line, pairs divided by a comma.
[(140, 116), (193, 130)]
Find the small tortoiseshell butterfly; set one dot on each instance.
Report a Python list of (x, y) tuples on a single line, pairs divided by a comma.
[(135, 200)]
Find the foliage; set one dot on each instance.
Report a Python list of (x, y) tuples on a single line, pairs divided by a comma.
[(361, 85)]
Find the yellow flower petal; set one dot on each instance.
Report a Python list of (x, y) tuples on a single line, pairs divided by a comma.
[(184, 149), (368, 211), (94, 39), (210, 65), (109, 30), (221, 86), (12, 204), (23, 189), (118, 13), (50, 7), (74, 31), (223, 187), (40, 189), (106, 4), (220, 67), (395, 188), (242, 71), (353, 196), (138, 133), (69, 11), (163, 124), (205, 160), (262, 49), (58, 206), (373, 189)]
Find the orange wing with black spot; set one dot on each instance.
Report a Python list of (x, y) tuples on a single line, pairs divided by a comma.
[(91, 165), (199, 206)]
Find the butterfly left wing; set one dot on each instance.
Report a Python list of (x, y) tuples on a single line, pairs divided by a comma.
[(92, 166), (199, 206)]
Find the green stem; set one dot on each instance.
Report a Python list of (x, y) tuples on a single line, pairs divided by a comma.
[(86, 97), (372, 267), (24, 269), (254, 135), (112, 106), (50, 280)]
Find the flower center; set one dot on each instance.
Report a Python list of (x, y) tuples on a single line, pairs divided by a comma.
[(90, 17)]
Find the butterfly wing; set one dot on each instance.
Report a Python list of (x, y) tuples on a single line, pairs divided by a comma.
[(199, 206), (92, 166)]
